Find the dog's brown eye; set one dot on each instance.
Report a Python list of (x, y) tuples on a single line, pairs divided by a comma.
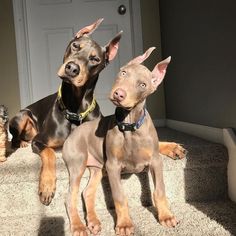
[(75, 46), (94, 59), (123, 73), (143, 85)]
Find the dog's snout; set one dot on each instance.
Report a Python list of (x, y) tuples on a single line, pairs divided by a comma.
[(72, 69), (119, 94)]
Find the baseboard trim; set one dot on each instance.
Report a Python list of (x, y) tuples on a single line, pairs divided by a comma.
[(209, 133), (230, 143)]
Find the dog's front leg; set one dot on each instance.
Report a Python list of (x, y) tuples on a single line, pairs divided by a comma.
[(165, 216), (47, 179), (76, 164), (124, 224), (76, 225), (89, 195)]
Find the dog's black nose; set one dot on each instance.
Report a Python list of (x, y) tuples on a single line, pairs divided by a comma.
[(72, 69), (119, 94)]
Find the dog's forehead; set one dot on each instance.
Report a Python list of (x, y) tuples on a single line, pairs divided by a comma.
[(137, 69), (87, 42), (86, 45)]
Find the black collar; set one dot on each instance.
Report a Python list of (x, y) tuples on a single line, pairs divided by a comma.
[(71, 116), (133, 126)]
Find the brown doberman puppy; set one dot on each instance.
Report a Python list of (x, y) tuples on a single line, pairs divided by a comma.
[(49, 121), (124, 142)]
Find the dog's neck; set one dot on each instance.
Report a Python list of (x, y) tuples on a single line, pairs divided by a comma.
[(130, 116), (78, 99)]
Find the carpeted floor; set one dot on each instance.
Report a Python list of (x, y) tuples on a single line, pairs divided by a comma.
[(23, 214)]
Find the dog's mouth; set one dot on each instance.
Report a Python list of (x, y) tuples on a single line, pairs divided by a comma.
[(75, 82), (65, 79), (119, 104), (77, 75)]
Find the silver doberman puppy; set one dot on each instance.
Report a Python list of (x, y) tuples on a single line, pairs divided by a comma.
[(124, 142)]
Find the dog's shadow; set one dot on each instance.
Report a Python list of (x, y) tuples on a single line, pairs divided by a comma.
[(9, 149), (52, 226), (145, 197)]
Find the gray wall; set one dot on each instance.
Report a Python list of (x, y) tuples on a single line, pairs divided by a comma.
[(9, 86), (201, 81), (152, 38)]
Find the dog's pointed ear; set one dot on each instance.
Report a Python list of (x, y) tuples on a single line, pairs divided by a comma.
[(89, 29), (159, 72), (140, 59), (112, 47)]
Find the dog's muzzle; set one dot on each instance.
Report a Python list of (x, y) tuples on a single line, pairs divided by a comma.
[(72, 69)]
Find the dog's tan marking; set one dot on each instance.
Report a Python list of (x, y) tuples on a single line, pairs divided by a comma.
[(3, 143), (145, 153), (117, 152), (55, 143), (172, 150), (77, 227), (81, 45), (47, 180), (124, 224), (89, 195), (165, 216)]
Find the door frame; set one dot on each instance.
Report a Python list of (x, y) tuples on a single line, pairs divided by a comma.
[(22, 45)]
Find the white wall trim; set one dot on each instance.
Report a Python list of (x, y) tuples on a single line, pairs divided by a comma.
[(209, 133), (230, 143), (224, 136), (22, 49)]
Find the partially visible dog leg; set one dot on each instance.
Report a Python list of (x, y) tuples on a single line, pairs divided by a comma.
[(77, 227), (3, 143), (47, 180), (124, 224), (76, 167), (3, 132), (165, 216), (89, 195)]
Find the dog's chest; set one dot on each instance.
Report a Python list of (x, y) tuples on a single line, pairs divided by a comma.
[(137, 153)]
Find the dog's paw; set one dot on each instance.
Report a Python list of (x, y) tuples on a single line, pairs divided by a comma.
[(24, 144), (79, 230), (125, 229), (3, 158), (47, 187), (94, 226), (168, 220), (172, 150)]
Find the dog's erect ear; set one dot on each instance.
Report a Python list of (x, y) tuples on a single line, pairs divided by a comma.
[(112, 47), (159, 72), (89, 29), (140, 59)]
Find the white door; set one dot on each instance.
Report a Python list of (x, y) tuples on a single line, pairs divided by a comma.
[(51, 24)]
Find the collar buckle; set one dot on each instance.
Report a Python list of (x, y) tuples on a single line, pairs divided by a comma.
[(126, 126), (131, 127), (71, 116)]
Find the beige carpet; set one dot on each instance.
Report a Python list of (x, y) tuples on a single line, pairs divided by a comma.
[(198, 178)]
